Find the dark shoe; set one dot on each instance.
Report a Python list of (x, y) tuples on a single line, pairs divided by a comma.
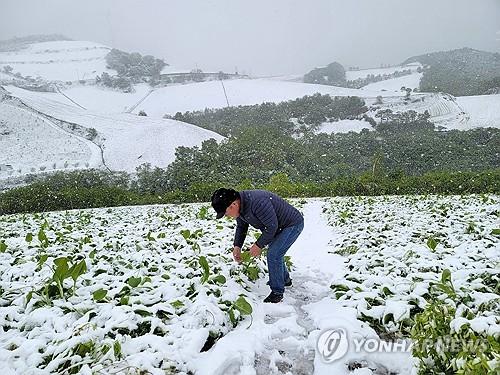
[(288, 283), (274, 298)]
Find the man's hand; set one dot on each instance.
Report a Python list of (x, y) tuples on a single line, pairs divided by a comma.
[(237, 254), (255, 250)]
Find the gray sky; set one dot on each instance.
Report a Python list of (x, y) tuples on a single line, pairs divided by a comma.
[(264, 36)]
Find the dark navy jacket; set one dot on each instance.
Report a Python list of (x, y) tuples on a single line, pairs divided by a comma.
[(265, 211)]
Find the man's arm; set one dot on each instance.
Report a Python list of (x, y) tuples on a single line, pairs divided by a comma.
[(240, 233), (264, 211)]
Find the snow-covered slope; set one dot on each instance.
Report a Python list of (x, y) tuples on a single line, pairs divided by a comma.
[(198, 96), (482, 111), (59, 60), (363, 73), (394, 85), (127, 140), (31, 144), (102, 99)]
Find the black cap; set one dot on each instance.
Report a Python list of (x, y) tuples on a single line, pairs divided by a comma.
[(222, 198)]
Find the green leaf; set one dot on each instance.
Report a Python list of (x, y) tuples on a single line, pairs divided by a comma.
[(134, 281), (92, 254), (150, 237), (246, 257), (242, 305), (252, 273), (387, 291), (62, 271), (99, 294), (145, 280), (124, 300), (446, 276), (206, 269), (42, 260), (78, 269), (29, 237), (219, 279), (432, 243), (42, 237), (186, 233), (495, 232), (29, 296), (143, 313), (3, 247), (61, 262), (117, 349), (177, 304)]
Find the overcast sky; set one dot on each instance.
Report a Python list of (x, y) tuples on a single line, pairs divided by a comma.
[(264, 37)]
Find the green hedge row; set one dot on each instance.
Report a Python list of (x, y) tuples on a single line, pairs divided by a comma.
[(51, 195)]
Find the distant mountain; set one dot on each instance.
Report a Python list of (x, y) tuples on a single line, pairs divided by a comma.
[(37, 61), (460, 72), (18, 43)]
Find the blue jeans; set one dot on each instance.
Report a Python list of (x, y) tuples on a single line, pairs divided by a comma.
[(278, 273)]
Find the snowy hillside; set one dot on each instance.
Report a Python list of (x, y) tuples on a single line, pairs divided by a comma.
[(198, 96), (127, 140), (102, 99), (58, 60), (394, 85), (31, 144), (363, 73), (482, 111)]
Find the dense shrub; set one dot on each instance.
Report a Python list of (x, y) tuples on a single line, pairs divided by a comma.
[(292, 116), (442, 346), (333, 74), (64, 194)]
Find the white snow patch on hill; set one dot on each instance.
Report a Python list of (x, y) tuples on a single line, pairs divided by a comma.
[(59, 61), (344, 126), (483, 110), (394, 85), (363, 73), (102, 99), (129, 140), (32, 144), (198, 96)]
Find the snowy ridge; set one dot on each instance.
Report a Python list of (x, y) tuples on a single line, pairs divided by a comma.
[(56, 150), (127, 140), (363, 73), (58, 60)]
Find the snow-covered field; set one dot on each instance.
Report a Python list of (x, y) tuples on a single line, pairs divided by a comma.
[(198, 96), (482, 110), (363, 73), (394, 85), (102, 99), (25, 151), (128, 140), (157, 290), (58, 60)]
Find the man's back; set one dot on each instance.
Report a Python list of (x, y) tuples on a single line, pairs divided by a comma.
[(252, 200), (265, 211)]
